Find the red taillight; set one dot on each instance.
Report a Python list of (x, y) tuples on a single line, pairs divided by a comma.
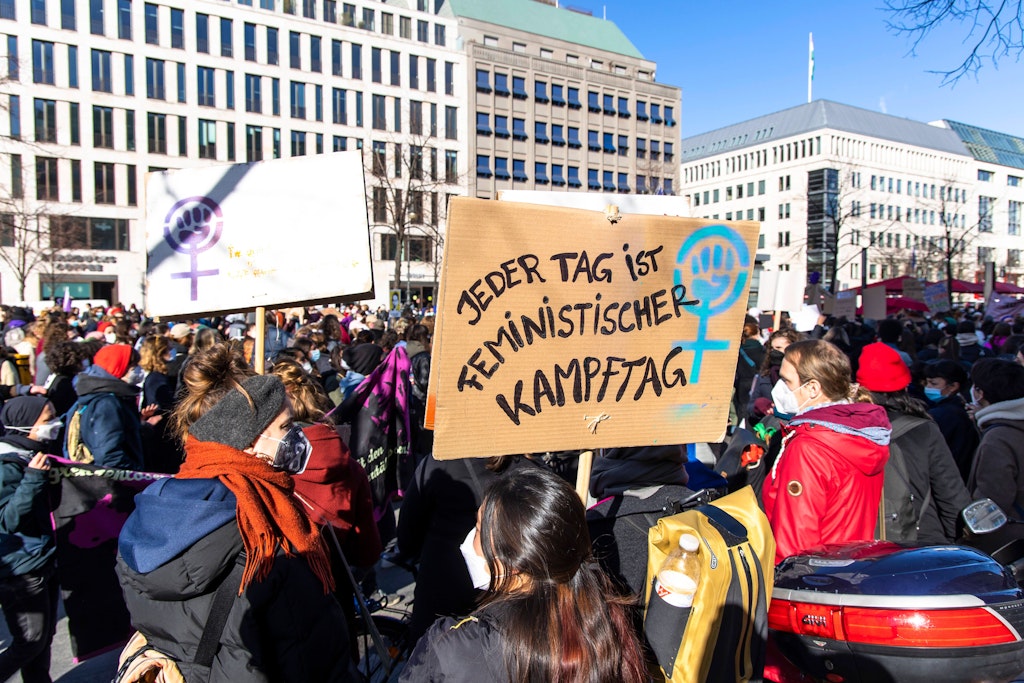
[(967, 627), (925, 628)]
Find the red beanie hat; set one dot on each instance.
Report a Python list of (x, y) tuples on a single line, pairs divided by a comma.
[(882, 369), (104, 326), (114, 358)]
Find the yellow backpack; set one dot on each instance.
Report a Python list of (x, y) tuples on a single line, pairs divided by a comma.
[(76, 448), (722, 636)]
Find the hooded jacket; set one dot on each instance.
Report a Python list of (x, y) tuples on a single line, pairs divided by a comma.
[(336, 487), (826, 483), (998, 470), (26, 535), (110, 423), (283, 628)]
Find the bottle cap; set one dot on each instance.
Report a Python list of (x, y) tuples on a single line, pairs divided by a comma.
[(689, 543)]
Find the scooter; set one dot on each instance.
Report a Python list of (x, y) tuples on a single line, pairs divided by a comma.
[(880, 612)]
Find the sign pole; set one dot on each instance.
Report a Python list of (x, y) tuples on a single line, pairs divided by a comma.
[(259, 355), (586, 464)]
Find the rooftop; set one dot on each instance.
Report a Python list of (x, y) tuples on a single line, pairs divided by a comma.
[(990, 146), (818, 115), (545, 20)]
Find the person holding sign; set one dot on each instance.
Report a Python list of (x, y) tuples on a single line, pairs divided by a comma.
[(550, 613), (826, 483)]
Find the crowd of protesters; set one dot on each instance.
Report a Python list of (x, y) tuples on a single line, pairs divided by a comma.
[(283, 479)]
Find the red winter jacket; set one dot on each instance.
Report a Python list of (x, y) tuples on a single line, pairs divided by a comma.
[(826, 484)]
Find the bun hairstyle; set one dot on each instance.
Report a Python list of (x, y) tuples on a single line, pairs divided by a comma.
[(208, 377), (309, 402)]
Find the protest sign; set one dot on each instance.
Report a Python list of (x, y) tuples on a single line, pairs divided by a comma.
[(913, 289), (873, 302), (780, 291), (560, 329), (936, 297), (1004, 307), (278, 233), (845, 305), (90, 506)]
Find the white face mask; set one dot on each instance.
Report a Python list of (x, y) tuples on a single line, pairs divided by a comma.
[(475, 564), (974, 397), (110, 337), (784, 399)]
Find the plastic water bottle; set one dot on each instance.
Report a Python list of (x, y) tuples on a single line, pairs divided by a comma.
[(678, 577)]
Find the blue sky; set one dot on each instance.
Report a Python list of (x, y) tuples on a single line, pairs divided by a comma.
[(739, 59)]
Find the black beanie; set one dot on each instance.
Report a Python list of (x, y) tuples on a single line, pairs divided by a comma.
[(233, 422)]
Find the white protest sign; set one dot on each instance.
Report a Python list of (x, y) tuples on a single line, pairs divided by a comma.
[(845, 305), (278, 233), (873, 302), (780, 291), (936, 297)]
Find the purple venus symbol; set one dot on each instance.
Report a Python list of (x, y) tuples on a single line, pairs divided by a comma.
[(192, 226)]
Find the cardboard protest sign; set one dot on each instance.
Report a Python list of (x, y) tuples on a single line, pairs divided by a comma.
[(559, 329), (936, 297), (845, 305), (278, 233), (873, 302)]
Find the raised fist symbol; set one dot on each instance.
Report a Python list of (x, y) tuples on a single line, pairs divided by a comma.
[(193, 225), (713, 271)]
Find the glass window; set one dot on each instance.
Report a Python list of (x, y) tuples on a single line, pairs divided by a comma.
[(574, 98), (519, 129), (74, 123), (641, 110), (124, 19), (206, 87), (624, 107), (104, 185), (609, 143), (339, 110), (593, 102), (378, 116), (501, 126), (483, 80), (593, 181), (294, 50), (129, 75), (451, 126), (414, 72), (557, 176), (336, 46), (593, 141), (72, 66), (540, 173), (152, 20), (207, 139), (451, 166), (422, 31), (557, 98), (315, 55), (449, 78), (439, 34), (357, 61), (254, 143), (177, 28), (180, 68), (76, 180), (226, 42), (12, 58), (609, 105), (96, 17), (129, 129), (318, 103), (68, 20), (574, 176), (253, 94), (574, 137), (46, 178), (203, 33), (273, 53), (540, 132), (501, 84), (557, 135), (540, 91), (156, 133), (519, 88), (42, 62), (519, 171), (103, 127), (483, 123), (229, 87), (396, 68), (101, 78), (155, 79), (298, 100), (182, 136), (46, 120), (17, 187)]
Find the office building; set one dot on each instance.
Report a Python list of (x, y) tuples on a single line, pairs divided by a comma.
[(837, 187)]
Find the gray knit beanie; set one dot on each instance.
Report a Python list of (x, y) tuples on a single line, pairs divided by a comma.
[(233, 422)]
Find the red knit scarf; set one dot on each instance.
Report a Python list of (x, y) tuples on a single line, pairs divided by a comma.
[(268, 515)]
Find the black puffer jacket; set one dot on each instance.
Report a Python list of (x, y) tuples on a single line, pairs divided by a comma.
[(466, 650), (284, 628)]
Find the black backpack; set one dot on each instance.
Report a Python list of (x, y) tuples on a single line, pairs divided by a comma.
[(899, 513)]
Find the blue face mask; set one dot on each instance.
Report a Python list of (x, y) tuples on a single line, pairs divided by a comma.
[(932, 394), (314, 355)]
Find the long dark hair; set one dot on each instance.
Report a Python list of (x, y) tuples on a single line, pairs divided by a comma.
[(901, 402), (563, 621)]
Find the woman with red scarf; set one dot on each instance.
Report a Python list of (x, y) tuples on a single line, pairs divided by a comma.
[(231, 503)]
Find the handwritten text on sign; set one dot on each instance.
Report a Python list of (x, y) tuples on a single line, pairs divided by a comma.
[(539, 335)]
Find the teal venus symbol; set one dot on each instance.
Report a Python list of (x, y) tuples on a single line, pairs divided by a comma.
[(713, 263)]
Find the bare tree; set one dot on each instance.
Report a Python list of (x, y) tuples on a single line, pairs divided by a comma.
[(994, 30), (32, 236), (407, 180)]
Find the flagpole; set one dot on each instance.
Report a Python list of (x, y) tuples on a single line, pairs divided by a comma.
[(810, 64)]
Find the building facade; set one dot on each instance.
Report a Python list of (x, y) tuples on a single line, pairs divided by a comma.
[(560, 100), (99, 92), (860, 196)]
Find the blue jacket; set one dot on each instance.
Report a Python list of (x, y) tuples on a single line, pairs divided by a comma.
[(110, 422)]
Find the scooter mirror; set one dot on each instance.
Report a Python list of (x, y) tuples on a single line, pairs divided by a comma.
[(984, 516)]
